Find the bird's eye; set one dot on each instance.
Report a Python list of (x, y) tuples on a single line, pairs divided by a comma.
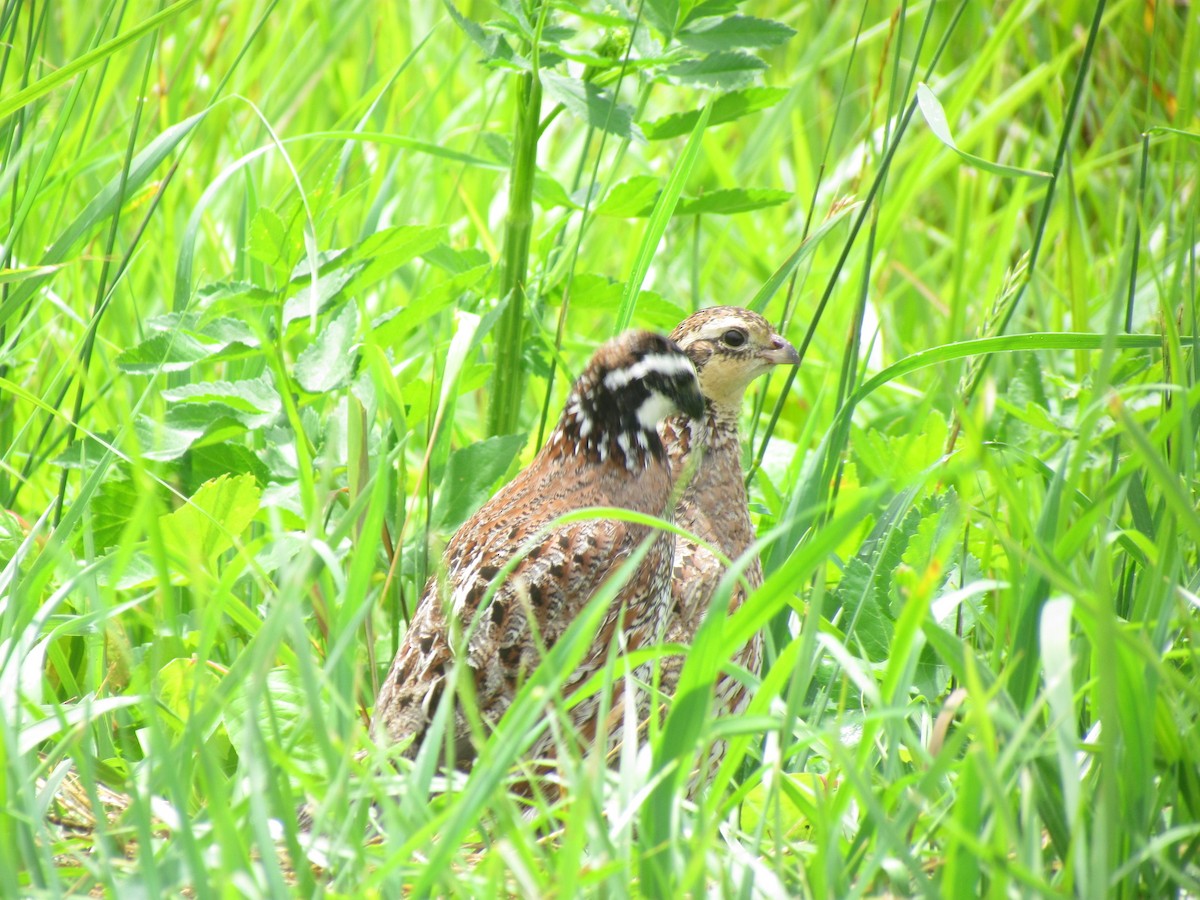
[(733, 338)]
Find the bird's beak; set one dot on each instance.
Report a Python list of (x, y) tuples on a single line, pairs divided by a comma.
[(781, 353)]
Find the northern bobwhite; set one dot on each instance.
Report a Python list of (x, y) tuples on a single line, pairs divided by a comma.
[(730, 347), (605, 451)]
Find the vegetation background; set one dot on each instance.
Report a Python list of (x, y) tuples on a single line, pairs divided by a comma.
[(286, 289)]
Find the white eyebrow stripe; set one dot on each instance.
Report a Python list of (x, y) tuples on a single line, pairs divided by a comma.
[(662, 363)]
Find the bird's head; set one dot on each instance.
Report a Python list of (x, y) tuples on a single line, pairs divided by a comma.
[(730, 347)]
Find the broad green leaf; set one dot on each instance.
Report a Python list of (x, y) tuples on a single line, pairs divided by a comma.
[(631, 198), (594, 105), (636, 197), (735, 32), (725, 108), (254, 396), (469, 473), (216, 514), (208, 461), (166, 352), (180, 340), (662, 15), (723, 69), (273, 243), (328, 363), (183, 425), (495, 48), (280, 705), (935, 117), (706, 9), (110, 509), (730, 201), (397, 326)]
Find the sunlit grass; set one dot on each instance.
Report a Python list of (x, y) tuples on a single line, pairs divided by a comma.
[(224, 448)]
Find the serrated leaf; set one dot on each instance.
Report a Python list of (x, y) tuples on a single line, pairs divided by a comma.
[(469, 473), (725, 108), (493, 45), (707, 9), (165, 353), (730, 201), (110, 508), (636, 197), (397, 326), (216, 514), (593, 104), (662, 15), (327, 363), (724, 69), (178, 341), (204, 463), (312, 300), (734, 32), (253, 395), (935, 117), (280, 706)]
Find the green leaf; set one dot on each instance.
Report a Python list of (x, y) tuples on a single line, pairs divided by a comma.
[(279, 705), (706, 9), (631, 198), (729, 201), (635, 198), (204, 463), (180, 340), (724, 69), (495, 48), (594, 105), (735, 32), (256, 397), (166, 352), (216, 514), (110, 509), (328, 363), (273, 243), (662, 15), (935, 117), (470, 472), (397, 326), (725, 108)]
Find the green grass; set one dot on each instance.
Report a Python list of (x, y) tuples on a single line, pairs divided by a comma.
[(269, 270)]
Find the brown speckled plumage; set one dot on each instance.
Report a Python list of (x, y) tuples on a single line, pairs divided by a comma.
[(730, 347), (604, 452)]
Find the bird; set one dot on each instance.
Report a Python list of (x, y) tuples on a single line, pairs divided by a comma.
[(730, 348), (604, 451)]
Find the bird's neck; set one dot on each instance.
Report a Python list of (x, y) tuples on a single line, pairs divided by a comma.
[(717, 433)]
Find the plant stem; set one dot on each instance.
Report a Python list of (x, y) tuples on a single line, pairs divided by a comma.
[(508, 378)]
